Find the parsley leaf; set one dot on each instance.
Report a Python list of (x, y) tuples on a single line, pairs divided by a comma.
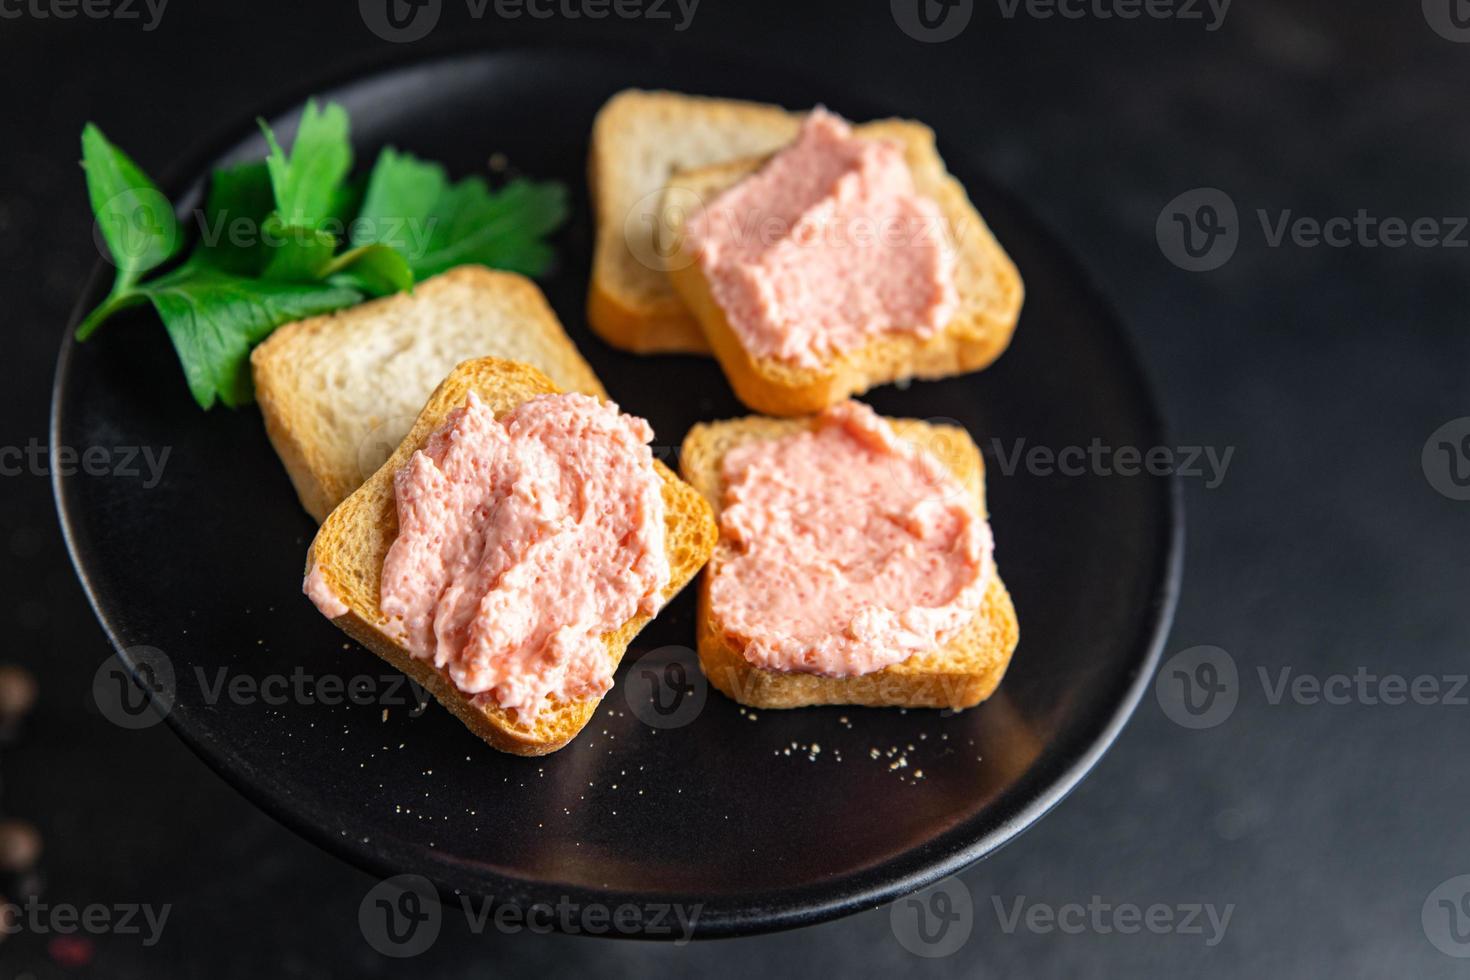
[(308, 183), (135, 219), (375, 269), (411, 205), (270, 244), (240, 200), (215, 318)]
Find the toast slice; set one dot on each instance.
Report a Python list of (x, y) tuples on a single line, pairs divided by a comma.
[(350, 546), (339, 392), (989, 287), (639, 140), (961, 674)]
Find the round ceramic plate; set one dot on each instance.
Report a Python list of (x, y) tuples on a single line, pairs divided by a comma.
[(763, 820)]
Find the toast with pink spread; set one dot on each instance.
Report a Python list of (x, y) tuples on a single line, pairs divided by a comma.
[(509, 550), (338, 392), (849, 259), (638, 139), (854, 565)]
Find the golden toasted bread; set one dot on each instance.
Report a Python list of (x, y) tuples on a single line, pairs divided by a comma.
[(350, 546), (989, 287), (639, 139), (338, 392), (960, 674)]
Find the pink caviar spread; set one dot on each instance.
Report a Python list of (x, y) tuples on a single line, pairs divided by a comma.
[(319, 592), (852, 549), (521, 541), (825, 247)]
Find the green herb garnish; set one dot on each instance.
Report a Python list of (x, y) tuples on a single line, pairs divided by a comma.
[(292, 236)]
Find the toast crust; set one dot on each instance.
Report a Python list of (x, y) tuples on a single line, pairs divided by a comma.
[(285, 389), (990, 288), (639, 138), (349, 549), (963, 672)]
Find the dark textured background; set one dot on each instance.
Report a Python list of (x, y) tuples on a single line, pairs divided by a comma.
[(1324, 550)]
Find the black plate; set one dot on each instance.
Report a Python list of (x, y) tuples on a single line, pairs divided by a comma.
[(206, 566)]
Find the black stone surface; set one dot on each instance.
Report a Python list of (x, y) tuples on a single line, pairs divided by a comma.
[(1325, 549)]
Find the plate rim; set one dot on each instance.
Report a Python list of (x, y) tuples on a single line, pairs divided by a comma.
[(789, 908)]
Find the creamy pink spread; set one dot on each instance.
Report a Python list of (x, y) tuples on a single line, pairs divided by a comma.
[(521, 541), (852, 549), (825, 247), (319, 592)]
